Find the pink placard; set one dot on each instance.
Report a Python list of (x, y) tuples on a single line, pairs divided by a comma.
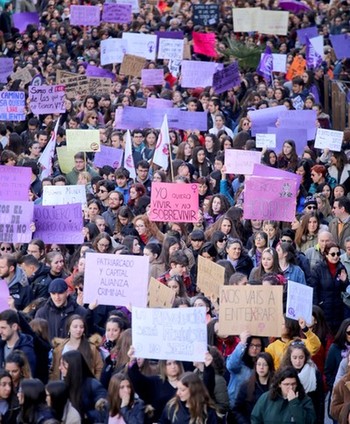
[(241, 161), (204, 44), (173, 202), (270, 198)]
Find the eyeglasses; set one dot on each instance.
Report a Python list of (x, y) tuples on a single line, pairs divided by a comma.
[(222, 240), (6, 249), (93, 117), (334, 254), (286, 241), (311, 208), (259, 238)]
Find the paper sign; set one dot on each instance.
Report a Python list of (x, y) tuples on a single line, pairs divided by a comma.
[(154, 103), (159, 295), (174, 334), (132, 65), (23, 19), (47, 99), (257, 309), (143, 45), (299, 301), (6, 68), (64, 195), (263, 21), (210, 277), (83, 140), (329, 139), (341, 45), (15, 220), (304, 33), (12, 106), (65, 159), (134, 4), (22, 74), (267, 171), (172, 202), (95, 71), (169, 48), (152, 77), (263, 118), (298, 135), (116, 279), (241, 161), (204, 43), (270, 198), (117, 13), (4, 295), (109, 156), (279, 62), (112, 50), (198, 74), (85, 15), (61, 224), (14, 182), (303, 119), (266, 140), (227, 78), (205, 14)]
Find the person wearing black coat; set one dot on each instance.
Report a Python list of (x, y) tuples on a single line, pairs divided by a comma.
[(237, 256)]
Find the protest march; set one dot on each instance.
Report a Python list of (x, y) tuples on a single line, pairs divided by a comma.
[(174, 211)]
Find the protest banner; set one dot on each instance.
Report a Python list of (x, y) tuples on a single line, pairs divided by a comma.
[(205, 14), (12, 106), (132, 65), (302, 119), (116, 280), (265, 140), (299, 301), (95, 71), (47, 99), (298, 135), (83, 140), (4, 295), (117, 13), (16, 218), (241, 161), (61, 224), (204, 43), (270, 198), (159, 295), (75, 85), (84, 15), (257, 309), (174, 334), (64, 195), (210, 277), (198, 74), (112, 50), (261, 119), (108, 156), (14, 182), (6, 68), (305, 33), (22, 19), (267, 171), (263, 21), (154, 103), (65, 159), (22, 74), (171, 202), (329, 139), (99, 86), (341, 45), (142, 45), (151, 77), (227, 78), (170, 48)]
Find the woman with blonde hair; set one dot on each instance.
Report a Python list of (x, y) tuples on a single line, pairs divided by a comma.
[(307, 234)]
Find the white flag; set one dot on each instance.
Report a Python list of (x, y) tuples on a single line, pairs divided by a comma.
[(161, 153), (128, 158), (48, 154)]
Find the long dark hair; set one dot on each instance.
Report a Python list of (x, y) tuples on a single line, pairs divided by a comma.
[(59, 394), (114, 399), (340, 337), (254, 378), (248, 360), (84, 346), (281, 375), (33, 391), (12, 400)]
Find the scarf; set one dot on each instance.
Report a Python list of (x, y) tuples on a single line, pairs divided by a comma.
[(307, 377)]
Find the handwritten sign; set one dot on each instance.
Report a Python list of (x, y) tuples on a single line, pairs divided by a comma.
[(174, 334), (270, 198), (83, 140), (117, 13), (47, 99), (227, 78), (210, 277), (205, 14), (74, 84), (279, 62), (116, 280), (14, 182), (12, 106), (108, 156), (64, 195), (198, 74), (329, 139), (99, 86), (159, 295), (152, 77), (257, 309), (85, 15), (241, 161), (15, 220), (299, 301), (132, 65), (112, 50), (22, 74), (170, 48), (6, 68), (143, 45), (266, 140), (171, 202)]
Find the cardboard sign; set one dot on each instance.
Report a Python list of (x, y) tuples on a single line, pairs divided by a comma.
[(116, 279), (132, 65), (99, 86), (22, 74), (85, 15), (6, 68), (142, 45), (205, 14), (170, 48), (298, 135), (14, 182), (47, 99), (305, 33), (112, 50), (83, 140), (270, 198), (159, 295), (15, 220), (61, 224), (172, 202), (64, 195), (109, 156), (299, 301), (151, 77), (263, 21), (227, 78), (12, 106), (241, 161), (257, 309), (4, 295), (65, 159), (266, 140), (210, 277), (329, 139), (76, 85), (117, 13), (174, 334)]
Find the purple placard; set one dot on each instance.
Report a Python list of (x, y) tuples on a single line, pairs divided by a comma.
[(151, 77), (227, 78), (294, 6), (263, 118), (298, 135), (4, 295), (14, 182), (108, 156), (12, 104), (198, 74), (61, 224), (6, 68), (305, 119), (15, 220), (241, 161), (267, 171), (47, 99), (117, 13), (341, 45), (95, 71), (23, 19), (154, 103), (85, 15), (310, 32)]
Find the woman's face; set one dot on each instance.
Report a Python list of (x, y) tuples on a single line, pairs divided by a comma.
[(202, 189), (133, 194), (312, 225), (295, 224), (5, 387), (188, 150), (124, 389), (316, 177), (174, 248), (219, 122), (326, 191), (270, 230), (81, 265), (113, 331), (136, 248), (267, 261), (272, 159), (76, 329), (15, 372), (140, 227), (151, 256), (297, 358), (262, 368), (183, 392), (151, 139), (226, 226), (259, 241), (300, 171), (123, 220), (347, 335), (201, 156), (286, 385), (199, 303), (338, 192), (333, 255), (172, 369), (174, 285), (209, 143), (308, 104), (287, 149), (35, 150), (227, 145), (103, 245), (254, 347), (115, 141), (234, 251), (157, 178), (57, 264), (256, 224), (93, 210), (216, 205)]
